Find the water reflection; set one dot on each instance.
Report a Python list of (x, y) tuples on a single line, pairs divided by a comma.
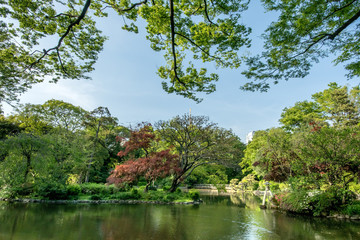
[(219, 217)]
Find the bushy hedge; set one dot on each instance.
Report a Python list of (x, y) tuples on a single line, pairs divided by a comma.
[(316, 203), (51, 191)]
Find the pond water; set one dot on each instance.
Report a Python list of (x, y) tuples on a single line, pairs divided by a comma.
[(218, 218)]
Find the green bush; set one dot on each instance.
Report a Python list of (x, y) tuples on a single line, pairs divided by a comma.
[(52, 191), (169, 197), (20, 191), (353, 209), (194, 195), (95, 188), (73, 189), (255, 186), (297, 201), (95, 197), (166, 188), (274, 186), (126, 195)]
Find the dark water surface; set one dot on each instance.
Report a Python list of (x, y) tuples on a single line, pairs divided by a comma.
[(218, 218)]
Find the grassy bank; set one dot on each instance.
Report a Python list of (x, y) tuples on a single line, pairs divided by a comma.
[(96, 192)]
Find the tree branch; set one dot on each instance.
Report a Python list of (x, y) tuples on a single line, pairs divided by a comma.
[(345, 25), (207, 14), (126, 9), (203, 50), (339, 9), (76, 22), (172, 26)]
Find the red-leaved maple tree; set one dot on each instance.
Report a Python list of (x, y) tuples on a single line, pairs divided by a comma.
[(152, 166)]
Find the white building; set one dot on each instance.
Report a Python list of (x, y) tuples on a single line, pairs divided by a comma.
[(249, 137)]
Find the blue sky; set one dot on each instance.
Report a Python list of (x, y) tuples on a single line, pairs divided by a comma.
[(126, 82)]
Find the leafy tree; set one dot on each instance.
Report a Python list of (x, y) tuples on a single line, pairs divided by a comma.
[(301, 115), (339, 106), (8, 127), (99, 123), (335, 105), (329, 155), (305, 32), (28, 118), (60, 114), (25, 147), (154, 164), (197, 142), (210, 30), (271, 155)]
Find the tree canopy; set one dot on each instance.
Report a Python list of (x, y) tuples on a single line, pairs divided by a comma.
[(210, 30), (60, 39), (305, 32)]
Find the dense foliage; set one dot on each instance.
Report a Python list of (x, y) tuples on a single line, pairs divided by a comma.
[(47, 150), (316, 152), (60, 39)]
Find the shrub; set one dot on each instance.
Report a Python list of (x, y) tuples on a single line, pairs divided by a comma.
[(95, 188), (194, 195), (95, 197), (73, 189), (19, 191), (297, 201), (126, 195), (255, 186), (152, 188), (52, 191), (169, 198), (353, 209), (274, 186), (166, 188)]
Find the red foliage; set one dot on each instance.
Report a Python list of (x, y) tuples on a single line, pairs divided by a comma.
[(315, 126), (139, 139), (159, 164), (151, 167)]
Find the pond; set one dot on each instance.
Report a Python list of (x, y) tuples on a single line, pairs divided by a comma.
[(218, 218)]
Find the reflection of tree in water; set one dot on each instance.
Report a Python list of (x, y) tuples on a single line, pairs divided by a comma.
[(170, 222), (224, 218), (246, 200)]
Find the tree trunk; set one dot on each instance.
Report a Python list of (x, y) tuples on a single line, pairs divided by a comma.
[(147, 187), (174, 185), (92, 154), (28, 166)]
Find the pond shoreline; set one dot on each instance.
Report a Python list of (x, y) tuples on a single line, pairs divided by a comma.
[(129, 202)]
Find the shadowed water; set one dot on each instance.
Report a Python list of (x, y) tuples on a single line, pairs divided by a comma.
[(218, 218)]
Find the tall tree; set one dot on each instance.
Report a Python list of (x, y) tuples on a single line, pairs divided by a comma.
[(197, 141), (210, 30), (336, 105), (99, 123)]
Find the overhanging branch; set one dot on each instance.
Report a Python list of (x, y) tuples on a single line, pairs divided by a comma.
[(172, 26), (57, 47)]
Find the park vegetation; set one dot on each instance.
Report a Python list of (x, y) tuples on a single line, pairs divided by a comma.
[(57, 150), (314, 157), (60, 151)]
